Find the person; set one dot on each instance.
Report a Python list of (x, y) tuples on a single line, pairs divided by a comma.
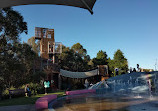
[(86, 84), (134, 70), (27, 90), (131, 70), (138, 67), (46, 85), (116, 69)]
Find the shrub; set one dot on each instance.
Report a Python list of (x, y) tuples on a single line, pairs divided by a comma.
[(36, 88), (5, 93)]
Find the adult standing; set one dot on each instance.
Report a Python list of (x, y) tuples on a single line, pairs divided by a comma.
[(27, 90), (86, 84), (134, 70), (116, 70)]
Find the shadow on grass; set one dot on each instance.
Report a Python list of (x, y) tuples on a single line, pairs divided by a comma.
[(19, 101)]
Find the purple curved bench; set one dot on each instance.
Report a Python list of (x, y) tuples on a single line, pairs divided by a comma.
[(80, 91), (42, 103)]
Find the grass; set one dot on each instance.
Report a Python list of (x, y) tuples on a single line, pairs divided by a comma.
[(25, 100)]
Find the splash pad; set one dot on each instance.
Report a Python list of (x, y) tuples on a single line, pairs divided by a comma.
[(128, 92)]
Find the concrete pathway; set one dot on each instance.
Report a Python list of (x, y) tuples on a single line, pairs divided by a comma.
[(18, 108), (149, 106)]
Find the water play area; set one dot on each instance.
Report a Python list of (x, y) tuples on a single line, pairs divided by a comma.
[(128, 92)]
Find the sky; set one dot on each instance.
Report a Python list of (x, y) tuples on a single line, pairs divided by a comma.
[(128, 25)]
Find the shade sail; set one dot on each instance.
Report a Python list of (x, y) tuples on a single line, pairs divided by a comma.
[(78, 74), (86, 4)]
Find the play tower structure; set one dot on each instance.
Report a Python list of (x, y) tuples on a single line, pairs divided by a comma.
[(49, 61), (48, 46), (48, 51)]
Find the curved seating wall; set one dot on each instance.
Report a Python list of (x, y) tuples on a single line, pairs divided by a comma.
[(42, 103)]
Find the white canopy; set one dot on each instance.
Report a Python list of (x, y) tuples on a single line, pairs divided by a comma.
[(78, 74), (86, 4)]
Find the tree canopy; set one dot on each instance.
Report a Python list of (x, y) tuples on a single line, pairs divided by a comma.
[(12, 24), (101, 58), (35, 45), (78, 49), (120, 62), (16, 59), (74, 58)]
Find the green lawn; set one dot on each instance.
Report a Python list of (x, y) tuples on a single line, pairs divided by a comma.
[(25, 100)]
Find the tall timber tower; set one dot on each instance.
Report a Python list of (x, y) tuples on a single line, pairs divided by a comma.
[(48, 51), (48, 46)]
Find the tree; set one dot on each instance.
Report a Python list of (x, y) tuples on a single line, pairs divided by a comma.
[(111, 66), (78, 48), (35, 45), (17, 65), (11, 26), (120, 62), (101, 58), (74, 59)]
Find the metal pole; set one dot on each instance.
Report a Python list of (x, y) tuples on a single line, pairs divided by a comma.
[(53, 52), (156, 65), (47, 64)]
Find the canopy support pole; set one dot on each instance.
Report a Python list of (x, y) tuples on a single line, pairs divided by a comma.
[(89, 9)]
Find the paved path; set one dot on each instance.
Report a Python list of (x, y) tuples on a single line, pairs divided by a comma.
[(18, 108), (149, 106)]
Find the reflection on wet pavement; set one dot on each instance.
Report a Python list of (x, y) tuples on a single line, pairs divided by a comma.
[(97, 103)]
